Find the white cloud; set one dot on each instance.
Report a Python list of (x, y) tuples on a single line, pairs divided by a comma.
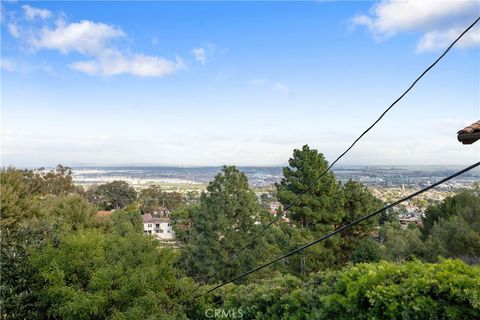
[(205, 53), (8, 65), (435, 40), (32, 13), (437, 20), (14, 30), (281, 88), (89, 67), (137, 65), (97, 41), (85, 37), (200, 54)]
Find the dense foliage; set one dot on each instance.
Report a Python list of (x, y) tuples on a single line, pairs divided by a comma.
[(412, 290), (113, 195), (223, 221), (153, 197), (59, 259)]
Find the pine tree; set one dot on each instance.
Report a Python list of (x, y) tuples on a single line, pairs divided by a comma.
[(314, 213), (358, 201), (224, 221)]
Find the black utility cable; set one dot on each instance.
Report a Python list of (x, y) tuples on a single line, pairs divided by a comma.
[(347, 226), (339, 157), (279, 215)]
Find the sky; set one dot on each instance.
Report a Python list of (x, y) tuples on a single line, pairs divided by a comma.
[(242, 83)]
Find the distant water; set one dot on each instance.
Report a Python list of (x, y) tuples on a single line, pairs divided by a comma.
[(262, 176)]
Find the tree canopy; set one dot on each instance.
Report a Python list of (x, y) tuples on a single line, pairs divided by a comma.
[(113, 195)]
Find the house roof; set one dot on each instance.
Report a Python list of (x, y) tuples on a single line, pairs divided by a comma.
[(470, 134), (147, 218)]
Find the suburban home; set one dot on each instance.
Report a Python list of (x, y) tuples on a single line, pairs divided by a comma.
[(470, 134), (159, 226)]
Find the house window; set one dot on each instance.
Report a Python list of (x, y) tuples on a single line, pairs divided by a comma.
[(150, 231), (168, 231), (169, 224), (157, 225), (149, 225), (158, 231)]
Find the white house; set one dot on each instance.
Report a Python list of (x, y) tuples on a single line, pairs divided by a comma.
[(161, 227)]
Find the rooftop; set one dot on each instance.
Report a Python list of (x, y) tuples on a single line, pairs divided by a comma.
[(148, 218), (470, 134)]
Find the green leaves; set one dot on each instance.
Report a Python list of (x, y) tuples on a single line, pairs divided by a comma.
[(224, 220), (412, 290), (90, 274), (113, 195)]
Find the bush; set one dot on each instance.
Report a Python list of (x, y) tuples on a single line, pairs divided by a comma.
[(412, 290), (368, 250)]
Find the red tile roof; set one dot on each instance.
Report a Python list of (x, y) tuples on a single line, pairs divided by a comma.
[(469, 134)]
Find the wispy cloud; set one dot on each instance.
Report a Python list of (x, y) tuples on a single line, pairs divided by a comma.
[(282, 89), (137, 65), (440, 22), (9, 65), (95, 40), (258, 82), (35, 13), (205, 53), (276, 87), (200, 54)]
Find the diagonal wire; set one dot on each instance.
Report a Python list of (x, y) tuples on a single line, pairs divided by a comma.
[(347, 226), (279, 215)]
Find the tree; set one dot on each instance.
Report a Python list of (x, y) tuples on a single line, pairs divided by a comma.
[(223, 222), (92, 275), (402, 244), (452, 228), (182, 222), (367, 250), (154, 197), (16, 198), (113, 195), (22, 188), (19, 279), (73, 211), (453, 238), (58, 181), (450, 206), (316, 211), (411, 290), (127, 221), (358, 202)]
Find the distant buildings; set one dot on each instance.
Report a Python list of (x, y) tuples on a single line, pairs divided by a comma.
[(159, 224)]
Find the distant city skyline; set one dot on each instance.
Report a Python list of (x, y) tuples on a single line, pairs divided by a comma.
[(240, 83)]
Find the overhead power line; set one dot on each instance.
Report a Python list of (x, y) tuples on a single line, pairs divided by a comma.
[(279, 215), (347, 226)]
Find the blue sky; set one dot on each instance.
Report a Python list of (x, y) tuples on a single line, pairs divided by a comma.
[(194, 84)]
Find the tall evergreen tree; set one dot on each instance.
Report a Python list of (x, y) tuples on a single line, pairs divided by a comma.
[(317, 211), (224, 221), (358, 201)]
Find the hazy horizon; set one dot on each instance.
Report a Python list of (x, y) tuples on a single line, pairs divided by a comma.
[(196, 84)]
